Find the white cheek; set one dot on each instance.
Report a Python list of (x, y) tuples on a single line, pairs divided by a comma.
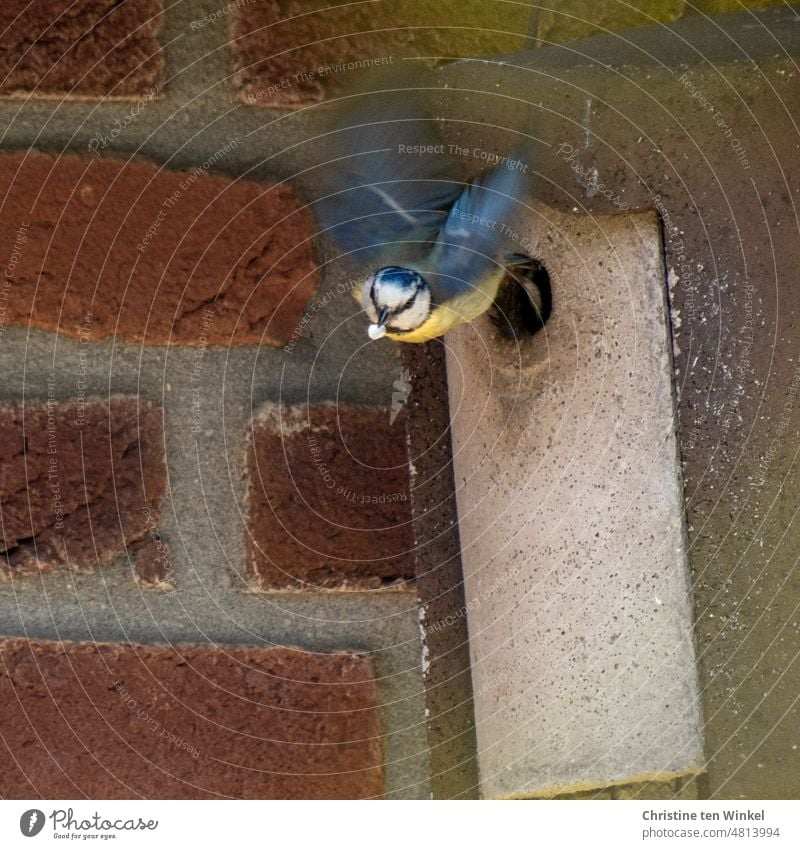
[(415, 315), (393, 296)]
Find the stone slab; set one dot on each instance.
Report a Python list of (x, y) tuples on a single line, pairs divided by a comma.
[(571, 520)]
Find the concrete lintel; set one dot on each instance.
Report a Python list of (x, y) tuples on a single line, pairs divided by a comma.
[(571, 521)]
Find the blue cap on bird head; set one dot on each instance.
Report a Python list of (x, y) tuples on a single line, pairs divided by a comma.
[(396, 299)]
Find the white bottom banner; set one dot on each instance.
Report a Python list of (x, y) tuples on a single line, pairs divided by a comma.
[(598, 824)]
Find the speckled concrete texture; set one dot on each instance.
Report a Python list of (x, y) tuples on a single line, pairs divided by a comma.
[(440, 584), (569, 20), (571, 521)]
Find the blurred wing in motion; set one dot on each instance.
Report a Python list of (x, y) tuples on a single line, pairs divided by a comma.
[(386, 176), (478, 238)]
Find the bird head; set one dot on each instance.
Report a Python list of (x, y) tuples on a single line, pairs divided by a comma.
[(397, 300)]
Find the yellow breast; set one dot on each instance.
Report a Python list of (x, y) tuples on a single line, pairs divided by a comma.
[(445, 317)]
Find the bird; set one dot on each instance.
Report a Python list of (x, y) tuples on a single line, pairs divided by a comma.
[(392, 192)]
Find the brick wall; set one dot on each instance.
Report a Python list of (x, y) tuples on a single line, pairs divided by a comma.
[(204, 491), (91, 49), (184, 377), (127, 721)]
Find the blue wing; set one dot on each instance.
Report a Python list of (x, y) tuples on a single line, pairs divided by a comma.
[(387, 175), (479, 235)]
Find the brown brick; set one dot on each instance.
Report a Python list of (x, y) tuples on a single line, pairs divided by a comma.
[(328, 503), (148, 252), (153, 560), (78, 481), (162, 722), (80, 48), (295, 52)]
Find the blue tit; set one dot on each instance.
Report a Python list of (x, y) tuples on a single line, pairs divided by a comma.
[(392, 193)]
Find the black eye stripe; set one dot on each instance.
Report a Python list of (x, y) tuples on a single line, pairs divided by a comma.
[(407, 304), (399, 309), (399, 331)]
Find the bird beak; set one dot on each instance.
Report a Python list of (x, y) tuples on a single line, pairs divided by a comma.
[(377, 331)]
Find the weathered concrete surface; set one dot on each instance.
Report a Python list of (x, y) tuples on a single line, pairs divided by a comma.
[(571, 522), (440, 585), (698, 121)]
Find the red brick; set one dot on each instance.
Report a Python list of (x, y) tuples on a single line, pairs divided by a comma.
[(81, 48), (291, 52), (186, 722), (328, 500), (148, 252), (153, 559), (79, 482)]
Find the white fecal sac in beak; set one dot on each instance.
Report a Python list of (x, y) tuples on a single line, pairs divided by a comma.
[(376, 331)]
